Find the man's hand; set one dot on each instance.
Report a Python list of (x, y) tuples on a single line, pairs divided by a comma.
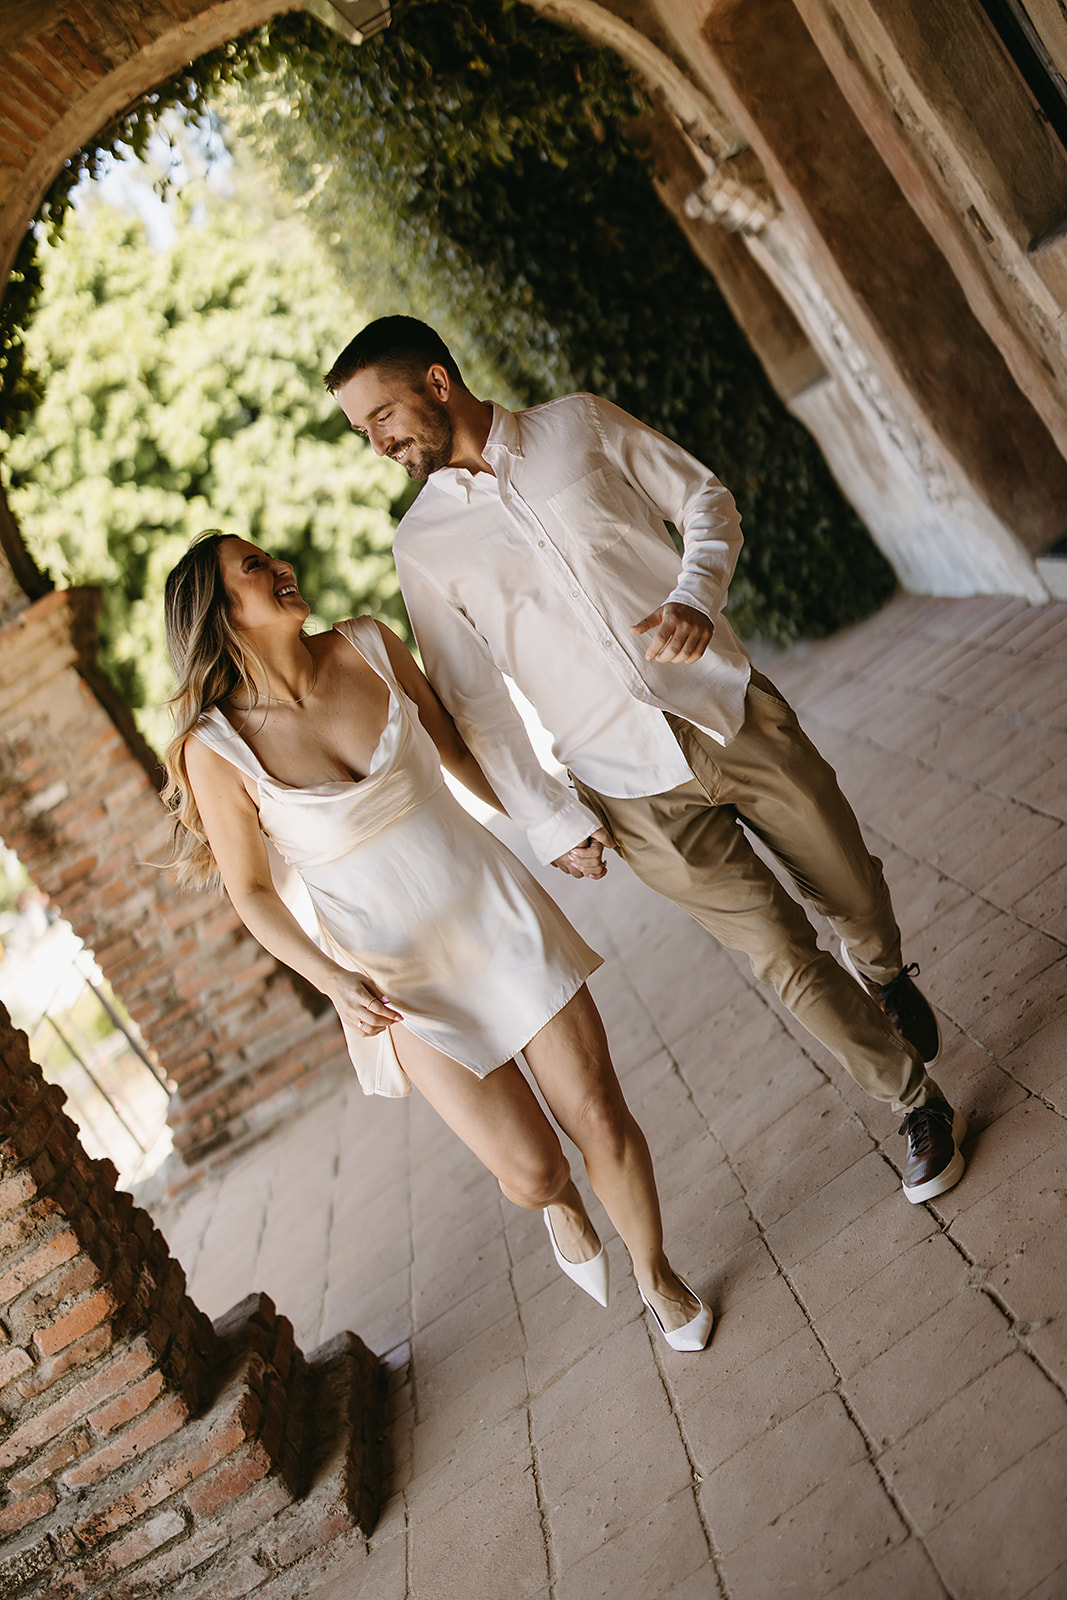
[(682, 634), (586, 860)]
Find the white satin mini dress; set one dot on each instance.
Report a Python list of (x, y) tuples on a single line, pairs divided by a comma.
[(408, 888)]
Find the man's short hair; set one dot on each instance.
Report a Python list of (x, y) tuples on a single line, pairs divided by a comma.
[(401, 344)]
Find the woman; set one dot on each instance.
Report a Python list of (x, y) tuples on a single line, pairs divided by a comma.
[(441, 954)]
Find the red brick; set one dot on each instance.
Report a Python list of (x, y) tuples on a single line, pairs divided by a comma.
[(95, 1343), (20, 1226), (13, 1363), (61, 55), (88, 1313), (61, 1247), (132, 1402), (74, 1405), (24, 142), (238, 1474), (140, 1542), (153, 1428), (22, 1512), (78, 1275), (233, 1428), (31, 123), (255, 1507), (73, 41), (46, 1464)]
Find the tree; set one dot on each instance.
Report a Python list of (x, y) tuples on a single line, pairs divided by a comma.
[(182, 389)]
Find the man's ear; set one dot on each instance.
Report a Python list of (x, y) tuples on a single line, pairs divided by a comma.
[(439, 383)]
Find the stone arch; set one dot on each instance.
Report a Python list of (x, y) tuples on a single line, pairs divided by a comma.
[(730, 171)]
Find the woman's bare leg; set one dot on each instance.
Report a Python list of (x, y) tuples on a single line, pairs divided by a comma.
[(500, 1121), (571, 1063)]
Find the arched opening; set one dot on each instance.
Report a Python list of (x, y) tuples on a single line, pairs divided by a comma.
[(224, 1085)]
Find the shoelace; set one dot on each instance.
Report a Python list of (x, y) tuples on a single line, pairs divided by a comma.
[(917, 1126), (892, 995)]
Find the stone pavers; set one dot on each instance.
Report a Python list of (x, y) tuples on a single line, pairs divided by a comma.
[(882, 1409)]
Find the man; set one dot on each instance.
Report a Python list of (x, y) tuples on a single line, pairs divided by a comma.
[(539, 550)]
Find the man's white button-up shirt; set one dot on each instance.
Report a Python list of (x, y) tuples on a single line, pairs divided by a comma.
[(539, 571)]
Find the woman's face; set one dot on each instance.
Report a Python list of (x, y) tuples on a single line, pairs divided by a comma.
[(262, 591)]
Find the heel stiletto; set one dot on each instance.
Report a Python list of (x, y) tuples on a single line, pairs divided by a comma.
[(592, 1276), (695, 1334)]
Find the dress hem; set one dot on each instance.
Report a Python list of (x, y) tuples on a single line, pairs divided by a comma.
[(400, 1094)]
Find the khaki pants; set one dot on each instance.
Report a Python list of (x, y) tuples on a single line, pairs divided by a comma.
[(687, 845)]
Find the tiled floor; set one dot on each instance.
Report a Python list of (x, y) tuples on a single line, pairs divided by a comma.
[(881, 1412)]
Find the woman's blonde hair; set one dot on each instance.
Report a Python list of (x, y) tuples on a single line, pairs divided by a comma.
[(210, 660)]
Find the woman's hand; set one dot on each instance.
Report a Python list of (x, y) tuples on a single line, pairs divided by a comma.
[(360, 1005)]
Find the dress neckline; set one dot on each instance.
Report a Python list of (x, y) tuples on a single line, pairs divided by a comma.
[(261, 775)]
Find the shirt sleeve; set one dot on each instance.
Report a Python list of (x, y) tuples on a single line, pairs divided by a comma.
[(680, 489), (460, 666)]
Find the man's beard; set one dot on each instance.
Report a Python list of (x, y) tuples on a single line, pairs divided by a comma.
[(432, 449)]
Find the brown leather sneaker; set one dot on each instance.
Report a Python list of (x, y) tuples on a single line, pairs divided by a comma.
[(933, 1162), (906, 1007)]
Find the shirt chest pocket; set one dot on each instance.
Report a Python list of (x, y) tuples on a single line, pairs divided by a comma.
[(591, 515)]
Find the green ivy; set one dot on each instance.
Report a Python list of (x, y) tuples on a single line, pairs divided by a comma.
[(472, 164)]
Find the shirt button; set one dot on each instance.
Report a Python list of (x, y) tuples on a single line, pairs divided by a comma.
[(540, 544), (608, 643), (574, 594)]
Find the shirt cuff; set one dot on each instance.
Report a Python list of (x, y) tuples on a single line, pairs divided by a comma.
[(682, 597), (566, 828)]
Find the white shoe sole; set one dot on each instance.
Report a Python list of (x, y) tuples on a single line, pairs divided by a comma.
[(850, 967), (951, 1174)]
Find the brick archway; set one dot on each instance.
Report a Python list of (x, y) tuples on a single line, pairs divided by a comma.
[(70, 66)]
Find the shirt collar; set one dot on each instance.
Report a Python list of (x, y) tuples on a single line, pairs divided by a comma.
[(504, 439), (504, 433)]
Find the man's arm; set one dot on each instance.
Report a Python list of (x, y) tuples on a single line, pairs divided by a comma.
[(461, 669), (681, 490)]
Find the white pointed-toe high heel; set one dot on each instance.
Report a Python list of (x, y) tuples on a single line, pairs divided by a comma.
[(695, 1334), (592, 1276)]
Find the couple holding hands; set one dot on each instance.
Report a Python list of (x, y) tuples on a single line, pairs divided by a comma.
[(538, 552)]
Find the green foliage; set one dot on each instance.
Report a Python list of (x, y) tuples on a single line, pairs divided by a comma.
[(182, 390), (471, 165)]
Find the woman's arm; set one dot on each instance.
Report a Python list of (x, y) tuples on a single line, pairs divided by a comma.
[(438, 724), (231, 823)]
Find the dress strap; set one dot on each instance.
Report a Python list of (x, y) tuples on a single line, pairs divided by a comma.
[(215, 731), (365, 636)]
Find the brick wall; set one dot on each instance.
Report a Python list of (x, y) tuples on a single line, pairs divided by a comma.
[(143, 1450), (78, 803)]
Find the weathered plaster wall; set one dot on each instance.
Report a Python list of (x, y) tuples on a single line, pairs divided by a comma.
[(958, 130), (920, 415)]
